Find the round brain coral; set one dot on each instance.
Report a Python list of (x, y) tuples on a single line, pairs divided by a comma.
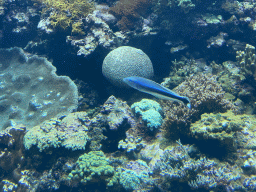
[(124, 62)]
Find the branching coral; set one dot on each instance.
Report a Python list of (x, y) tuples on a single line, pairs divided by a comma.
[(92, 167), (128, 12), (66, 12), (176, 164), (205, 94)]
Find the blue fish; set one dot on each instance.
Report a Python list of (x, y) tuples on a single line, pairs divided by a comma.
[(155, 89)]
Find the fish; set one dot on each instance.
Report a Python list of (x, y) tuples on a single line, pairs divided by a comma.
[(155, 89)]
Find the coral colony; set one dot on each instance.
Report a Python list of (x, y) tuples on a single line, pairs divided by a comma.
[(70, 119)]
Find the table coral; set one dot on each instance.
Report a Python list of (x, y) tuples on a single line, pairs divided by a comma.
[(151, 112), (31, 91)]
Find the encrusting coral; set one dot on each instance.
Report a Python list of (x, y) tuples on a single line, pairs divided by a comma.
[(222, 127)]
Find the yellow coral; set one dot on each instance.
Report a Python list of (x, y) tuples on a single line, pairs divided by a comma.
[(247, 59), (67, 12), (60, 21), (77, 28)]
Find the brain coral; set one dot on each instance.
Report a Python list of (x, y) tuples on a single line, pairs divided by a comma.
[(124, 62), (30, 90)]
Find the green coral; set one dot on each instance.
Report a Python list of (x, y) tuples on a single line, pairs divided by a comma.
[(69, 133), (219, 126), (77, 28), (130, 180), (225, 127), (150, 111), (93, 166)]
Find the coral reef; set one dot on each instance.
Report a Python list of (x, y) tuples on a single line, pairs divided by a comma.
[(150, 111), (126, 61), (109, 146)]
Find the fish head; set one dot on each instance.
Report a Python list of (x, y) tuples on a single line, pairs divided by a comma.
[(132, 81)]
